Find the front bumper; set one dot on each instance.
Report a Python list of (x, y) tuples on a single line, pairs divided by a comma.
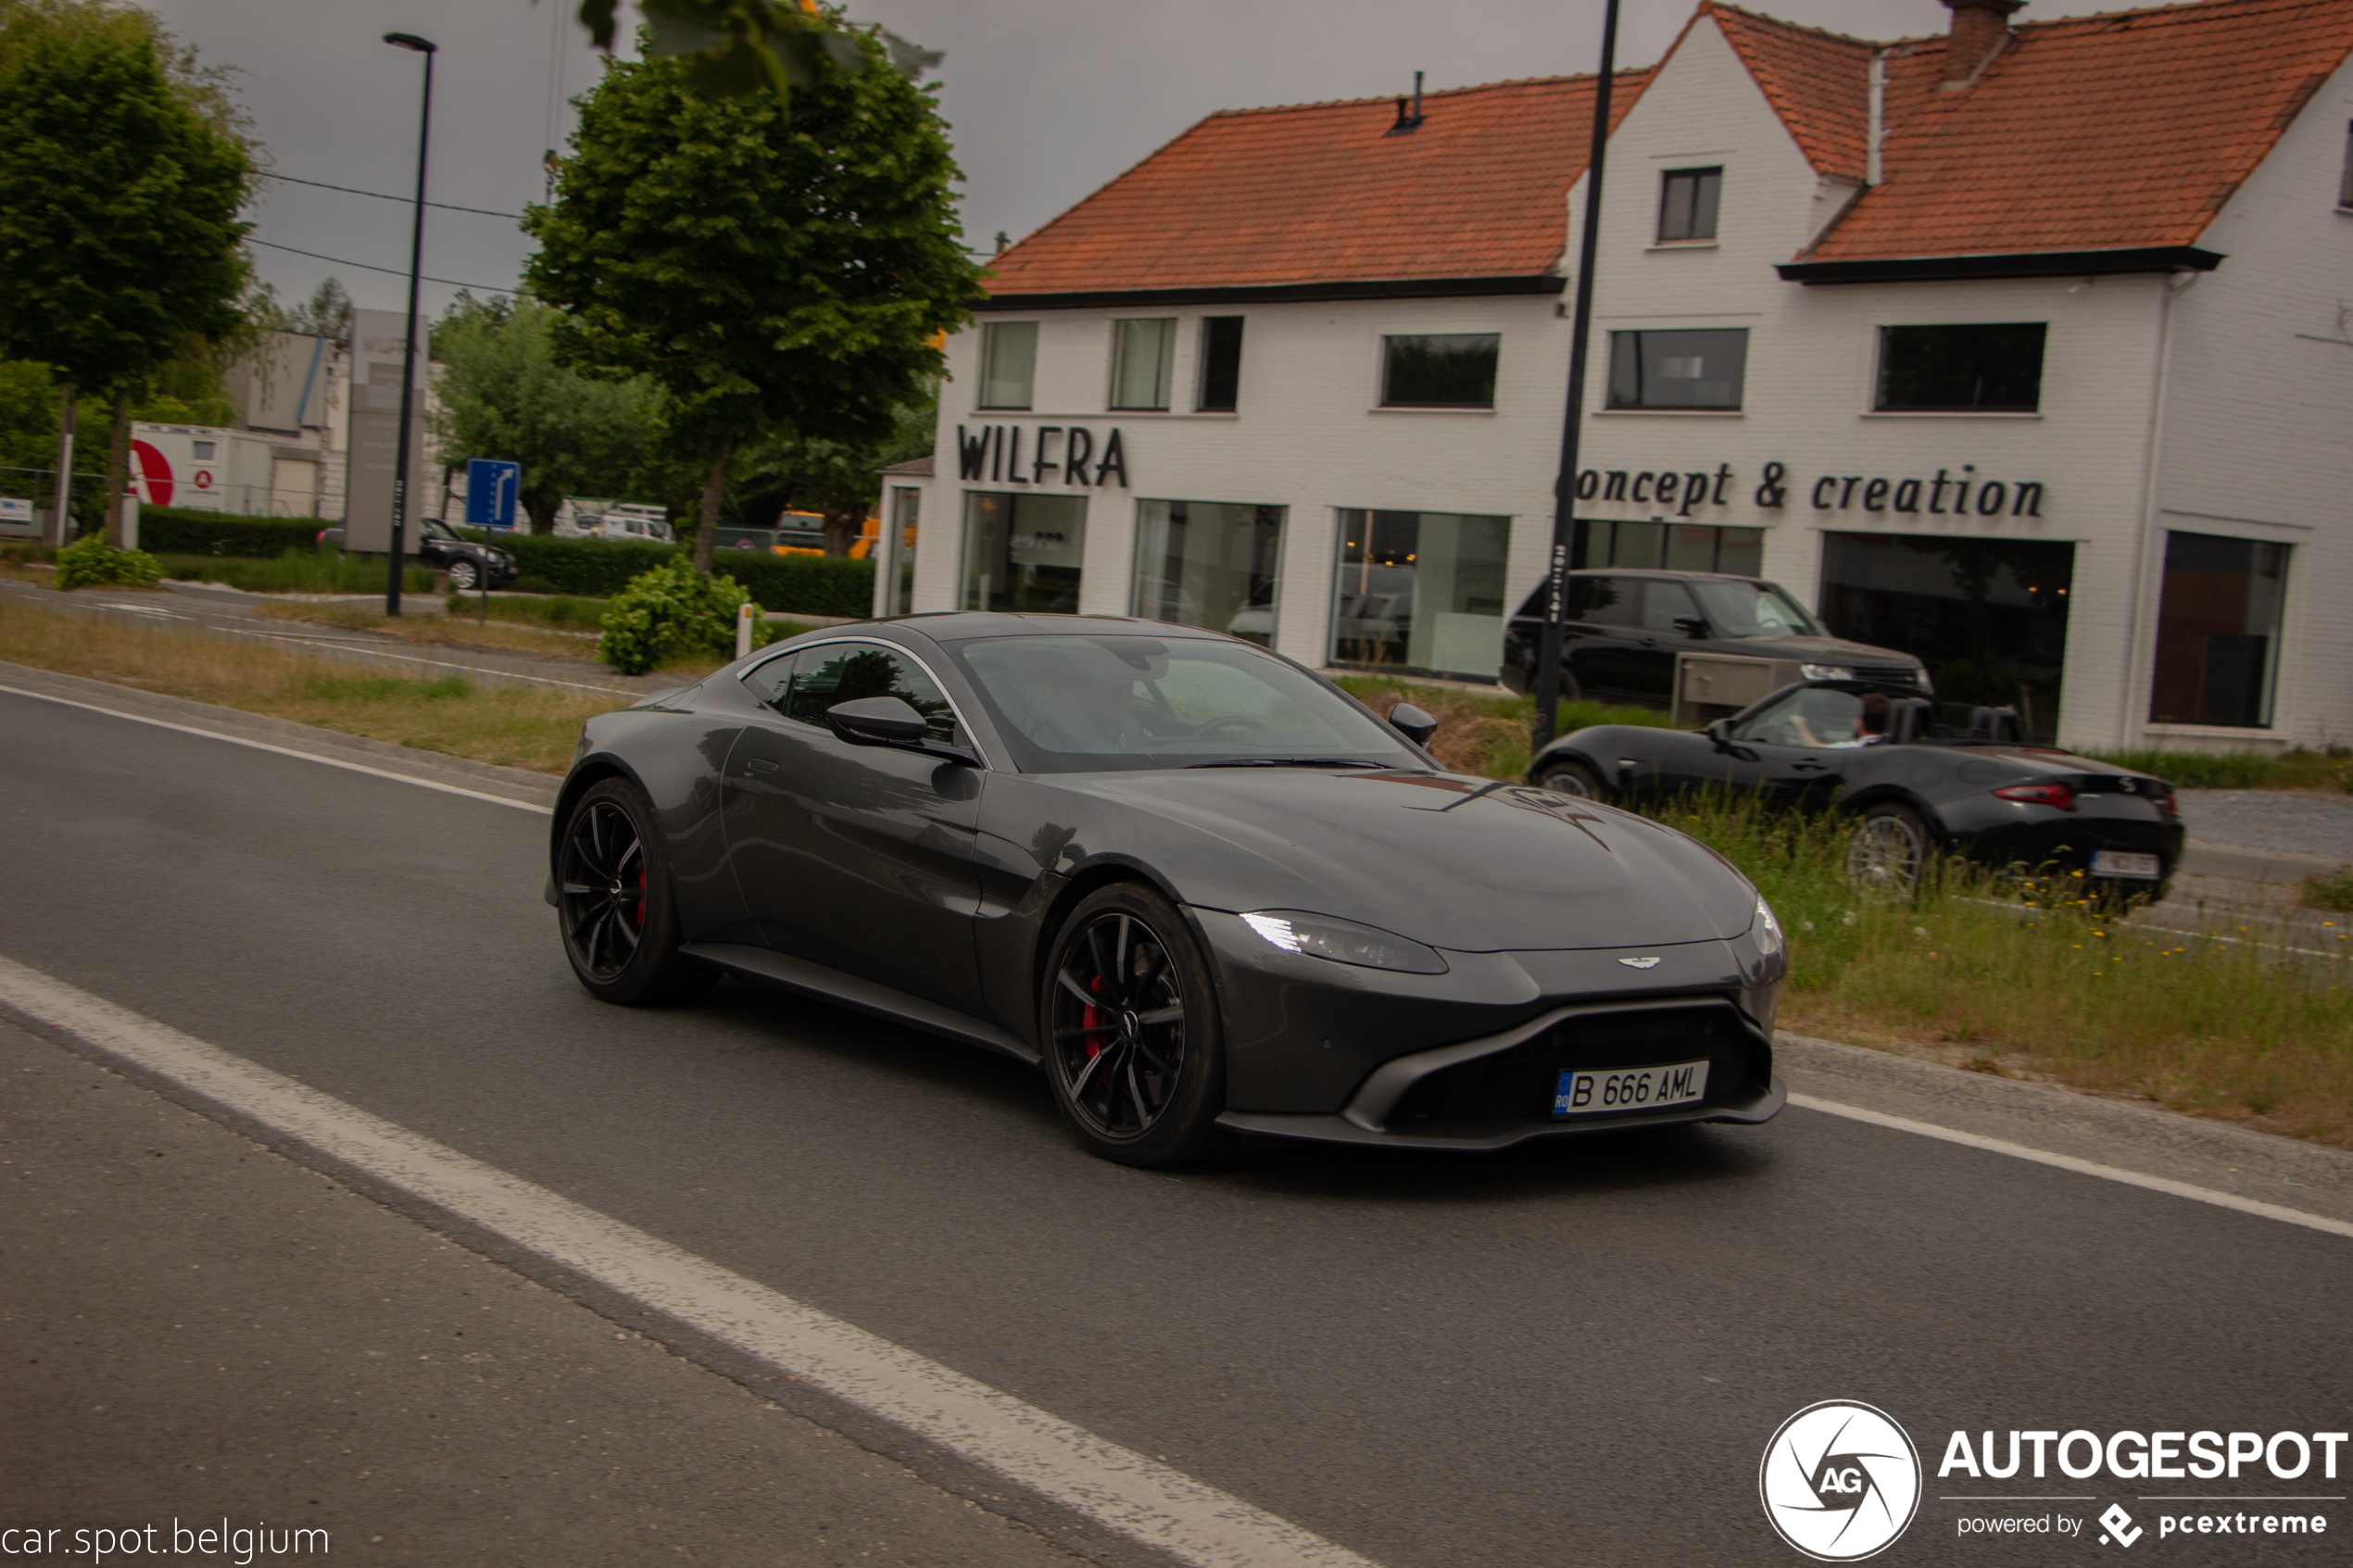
[(1465, 1060)]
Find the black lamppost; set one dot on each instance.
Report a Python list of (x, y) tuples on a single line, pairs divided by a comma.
[(409, 330), (1548, 658)]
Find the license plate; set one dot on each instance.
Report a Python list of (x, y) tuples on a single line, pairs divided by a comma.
[(2122, 862), (1630, 1088)]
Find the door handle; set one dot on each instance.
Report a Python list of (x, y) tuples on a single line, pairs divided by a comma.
[(1808, 767), (760, 765)]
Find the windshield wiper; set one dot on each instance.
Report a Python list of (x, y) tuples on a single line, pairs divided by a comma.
[(1288, 762)]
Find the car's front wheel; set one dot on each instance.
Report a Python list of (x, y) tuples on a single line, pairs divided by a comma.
[(463, 575), (618, 915), (1132, 1041), (1571, 777)]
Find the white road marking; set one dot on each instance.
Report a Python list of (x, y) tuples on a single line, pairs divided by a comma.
[(373, 652), (283, 751), (1137, 1496), (2081, 1167)]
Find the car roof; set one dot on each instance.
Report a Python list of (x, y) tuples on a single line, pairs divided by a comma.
[(959, 625), (1662, 572)]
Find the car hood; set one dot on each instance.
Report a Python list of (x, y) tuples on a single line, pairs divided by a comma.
[(1822, 650), (1462, 863)]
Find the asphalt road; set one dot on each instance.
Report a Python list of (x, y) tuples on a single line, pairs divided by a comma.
[(1574, 1353)]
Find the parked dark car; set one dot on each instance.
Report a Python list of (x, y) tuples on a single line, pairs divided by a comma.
[(1626, 628), (1912, 785), (1203, 888), (440, 547)]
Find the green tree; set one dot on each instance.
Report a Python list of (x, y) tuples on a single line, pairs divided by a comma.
[(327, 313), (789, 280), (504, 395), (837, 480), (122, 168), (729, 48)]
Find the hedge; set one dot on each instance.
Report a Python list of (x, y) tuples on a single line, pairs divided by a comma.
[(598, 569), (180, 530)]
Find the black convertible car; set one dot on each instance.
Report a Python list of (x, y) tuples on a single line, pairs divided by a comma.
[(1912, 783), (1202, 887)]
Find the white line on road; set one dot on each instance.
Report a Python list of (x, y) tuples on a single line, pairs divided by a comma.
[(1113, 1486), (2081, 1167), (281, 750), (370, 651)]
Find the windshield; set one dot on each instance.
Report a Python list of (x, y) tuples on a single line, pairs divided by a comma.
[(1743, 609), (1088, 704)]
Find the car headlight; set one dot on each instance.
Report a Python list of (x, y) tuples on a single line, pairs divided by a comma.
[(1765, 928), (1343, 941), (1826, 672)]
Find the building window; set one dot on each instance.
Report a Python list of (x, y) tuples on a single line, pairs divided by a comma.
[(1677, 369), (1677, 546), (2344, 181), (1209, 563), (1989, 368), (1440, 370), (1421, 593), (906, 515), (2218, 631), (1008, 363), (1687, 204), (1023, 553), (1143, 355), (1221, 364)]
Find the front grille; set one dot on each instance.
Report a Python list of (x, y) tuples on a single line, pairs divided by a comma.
[(1889, 674), (1514, 1087)]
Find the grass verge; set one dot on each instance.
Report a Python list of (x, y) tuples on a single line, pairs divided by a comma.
[(2299, 768), (513, 728), (2331, 890), (1481, 733), (295, 571)]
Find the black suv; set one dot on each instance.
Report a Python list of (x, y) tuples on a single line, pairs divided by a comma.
[(1626, 628), (444, 549)]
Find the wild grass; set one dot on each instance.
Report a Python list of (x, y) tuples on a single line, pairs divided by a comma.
[(1986, 973), (431, 630), (2300, 768), (534, 729), (2330, 890), (1480, 733), (558, 613), (295, 571)]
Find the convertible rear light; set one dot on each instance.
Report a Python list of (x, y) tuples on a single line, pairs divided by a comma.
[(2056, 794), (2167, 806)]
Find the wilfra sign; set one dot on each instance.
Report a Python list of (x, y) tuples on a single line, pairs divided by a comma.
[(1058, 454)]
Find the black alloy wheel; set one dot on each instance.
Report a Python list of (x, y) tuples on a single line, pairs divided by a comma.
[(1572, 778), (614, 899), (1132, 1037), (463, 574)]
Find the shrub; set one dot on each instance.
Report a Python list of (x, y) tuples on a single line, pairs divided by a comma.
[(673, 610), (90, 562), (593, 569), (832, 585), (178, 531)]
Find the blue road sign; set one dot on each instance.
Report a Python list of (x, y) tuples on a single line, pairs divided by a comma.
[(490, 493)]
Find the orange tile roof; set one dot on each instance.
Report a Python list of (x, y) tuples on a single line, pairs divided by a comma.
[(1318, 194), (1818, 82), (2118, 131)]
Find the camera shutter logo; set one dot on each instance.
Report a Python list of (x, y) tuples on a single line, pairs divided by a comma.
[(1840, 1481)]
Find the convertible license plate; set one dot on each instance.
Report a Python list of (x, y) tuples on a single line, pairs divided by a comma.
[(2121, 863), (1630, 1088)]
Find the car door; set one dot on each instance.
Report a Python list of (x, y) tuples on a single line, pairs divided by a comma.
[(1793, 753), (858, 856), (1614, 652)]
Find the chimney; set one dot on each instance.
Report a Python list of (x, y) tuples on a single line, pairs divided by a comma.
[(1980, 29)]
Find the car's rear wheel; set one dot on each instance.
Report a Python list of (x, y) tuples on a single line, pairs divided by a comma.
[(1887, 851), (619, 916), (1569, 777), (1133, 1046), (463, 575)]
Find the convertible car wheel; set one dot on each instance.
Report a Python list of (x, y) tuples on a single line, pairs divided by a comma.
[(1884, 856), (1573, 778), (613, 897), (1132, 1040)]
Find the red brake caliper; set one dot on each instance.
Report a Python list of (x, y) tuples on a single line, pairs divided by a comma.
[(1092, 1017)]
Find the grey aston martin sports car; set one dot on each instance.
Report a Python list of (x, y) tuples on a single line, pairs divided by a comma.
[(1204, 889)]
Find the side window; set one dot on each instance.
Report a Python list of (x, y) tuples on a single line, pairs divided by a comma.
[(768, 680), (1664, 604), (1617, 602), (1816, 716), (846, 672)]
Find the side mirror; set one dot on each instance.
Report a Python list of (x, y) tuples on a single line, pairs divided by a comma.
[(1720, 732), (888, 719), (1413, 724), (1690, 625)]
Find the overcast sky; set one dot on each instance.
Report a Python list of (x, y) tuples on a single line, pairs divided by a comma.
[(1046, 99)]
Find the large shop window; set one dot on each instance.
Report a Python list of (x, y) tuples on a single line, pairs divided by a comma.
[(1209, 563), (1440, 370), (1008, 364), (2218, 631), (1221, 364), (1687, 204), (1023, 553), (906, 515), (1143, 359), (1678, 546), (1677, 369), (1984, 367), (1988, 617), (1421, 593)]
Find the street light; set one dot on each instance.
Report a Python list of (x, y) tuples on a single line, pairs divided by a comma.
[(1548, 656), (408, 331)]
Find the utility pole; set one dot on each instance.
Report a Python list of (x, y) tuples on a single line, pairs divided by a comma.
[(408, 336), (63, 489), (1548, 658)]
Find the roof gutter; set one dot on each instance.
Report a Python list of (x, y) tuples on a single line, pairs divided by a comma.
[(2016, 264), (1277, 294)]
